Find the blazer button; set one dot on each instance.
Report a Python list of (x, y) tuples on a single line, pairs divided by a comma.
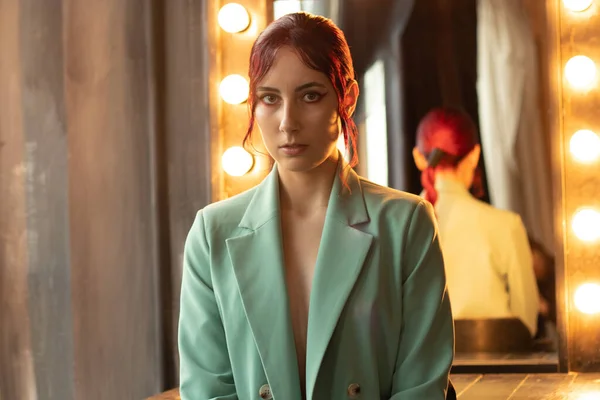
[(354, 391), (265, 392)]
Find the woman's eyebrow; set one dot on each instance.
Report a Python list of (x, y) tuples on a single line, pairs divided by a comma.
[(267, 89), (309, 85), (298, 89)]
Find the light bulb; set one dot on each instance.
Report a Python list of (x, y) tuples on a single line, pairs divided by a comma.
[(234, 89), (580, 72), (587, 298), (585, 146), (236, 161), (578, 5), (586, 224), (594, 395), (233, 18)]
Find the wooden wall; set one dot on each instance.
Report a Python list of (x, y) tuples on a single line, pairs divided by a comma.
[(576, 33), (104, 160)]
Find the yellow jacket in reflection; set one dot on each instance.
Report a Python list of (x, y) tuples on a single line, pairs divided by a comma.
[(488, 261)]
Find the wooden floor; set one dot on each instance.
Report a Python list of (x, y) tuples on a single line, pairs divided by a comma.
[(530, 387), (510, 387), (484, 363)]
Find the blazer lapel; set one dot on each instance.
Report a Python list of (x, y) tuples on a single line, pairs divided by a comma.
[(342, 252), (257, 260)]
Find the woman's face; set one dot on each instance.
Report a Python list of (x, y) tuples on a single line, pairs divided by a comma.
[(297, 113)]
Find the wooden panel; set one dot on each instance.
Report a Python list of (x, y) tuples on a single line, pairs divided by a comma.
[(169, 395), (530, 387), (184, 123), (542, 387), (100, 196), (579, 35), (462, 383), (493, 387), (554, 120), (583, 384), (117, 347), (17, 379), (46, 155)]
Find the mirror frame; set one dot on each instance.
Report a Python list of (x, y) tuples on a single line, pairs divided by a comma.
[(574, 185)]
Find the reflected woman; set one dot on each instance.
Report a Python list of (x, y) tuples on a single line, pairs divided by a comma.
[(315, 284), (486, 250)]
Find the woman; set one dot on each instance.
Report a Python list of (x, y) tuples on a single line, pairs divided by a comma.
[(316, 284), (486, 250)]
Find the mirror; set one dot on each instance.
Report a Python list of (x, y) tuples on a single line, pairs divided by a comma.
[(489, 58)]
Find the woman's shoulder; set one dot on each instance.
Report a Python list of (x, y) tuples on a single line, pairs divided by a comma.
[(223, 217), (384, 194), (494, 222), (490, 212), (230, 207)]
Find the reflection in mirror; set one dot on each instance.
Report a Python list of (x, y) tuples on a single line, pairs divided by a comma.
[(488, 59)]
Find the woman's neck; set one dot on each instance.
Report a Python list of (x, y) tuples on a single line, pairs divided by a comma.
[(304, 192), (450, 174)]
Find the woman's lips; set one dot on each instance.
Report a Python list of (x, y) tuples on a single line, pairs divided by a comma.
[(293, 149)]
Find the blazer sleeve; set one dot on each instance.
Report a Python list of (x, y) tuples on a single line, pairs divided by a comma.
[(426, 349), (205, 370), (522, 286)]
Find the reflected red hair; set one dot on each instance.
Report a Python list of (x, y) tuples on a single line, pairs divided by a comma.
[(322, 46), (454, 133)]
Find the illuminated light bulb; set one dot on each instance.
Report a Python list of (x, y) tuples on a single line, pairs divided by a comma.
[(587, 298), (236, 161), (595, 395), (578, 5), (585, 146), (233, 18), (586, 224), (234, 89), (580, 72)]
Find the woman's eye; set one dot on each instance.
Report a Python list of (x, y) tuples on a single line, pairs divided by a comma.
[(312, 97), (269, 99)]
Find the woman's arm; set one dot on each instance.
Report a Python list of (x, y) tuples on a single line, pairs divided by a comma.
[(205, 371), (426, 346)]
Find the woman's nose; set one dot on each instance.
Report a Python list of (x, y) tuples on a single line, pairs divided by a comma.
[(290, 121)]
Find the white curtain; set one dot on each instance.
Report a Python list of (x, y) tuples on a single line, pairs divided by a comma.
[(515, 147)]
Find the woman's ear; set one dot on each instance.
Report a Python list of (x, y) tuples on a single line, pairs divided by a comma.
[(351, 97), (472, 159), (420, 160)]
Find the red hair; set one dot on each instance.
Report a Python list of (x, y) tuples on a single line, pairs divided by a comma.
[(444, 137), (322, 46)]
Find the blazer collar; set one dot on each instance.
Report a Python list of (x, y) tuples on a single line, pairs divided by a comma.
[(264, 205)]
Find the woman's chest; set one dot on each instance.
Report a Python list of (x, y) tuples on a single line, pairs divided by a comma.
[(301, 239)]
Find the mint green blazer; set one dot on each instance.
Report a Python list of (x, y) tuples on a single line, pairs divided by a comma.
[(379, 325)]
